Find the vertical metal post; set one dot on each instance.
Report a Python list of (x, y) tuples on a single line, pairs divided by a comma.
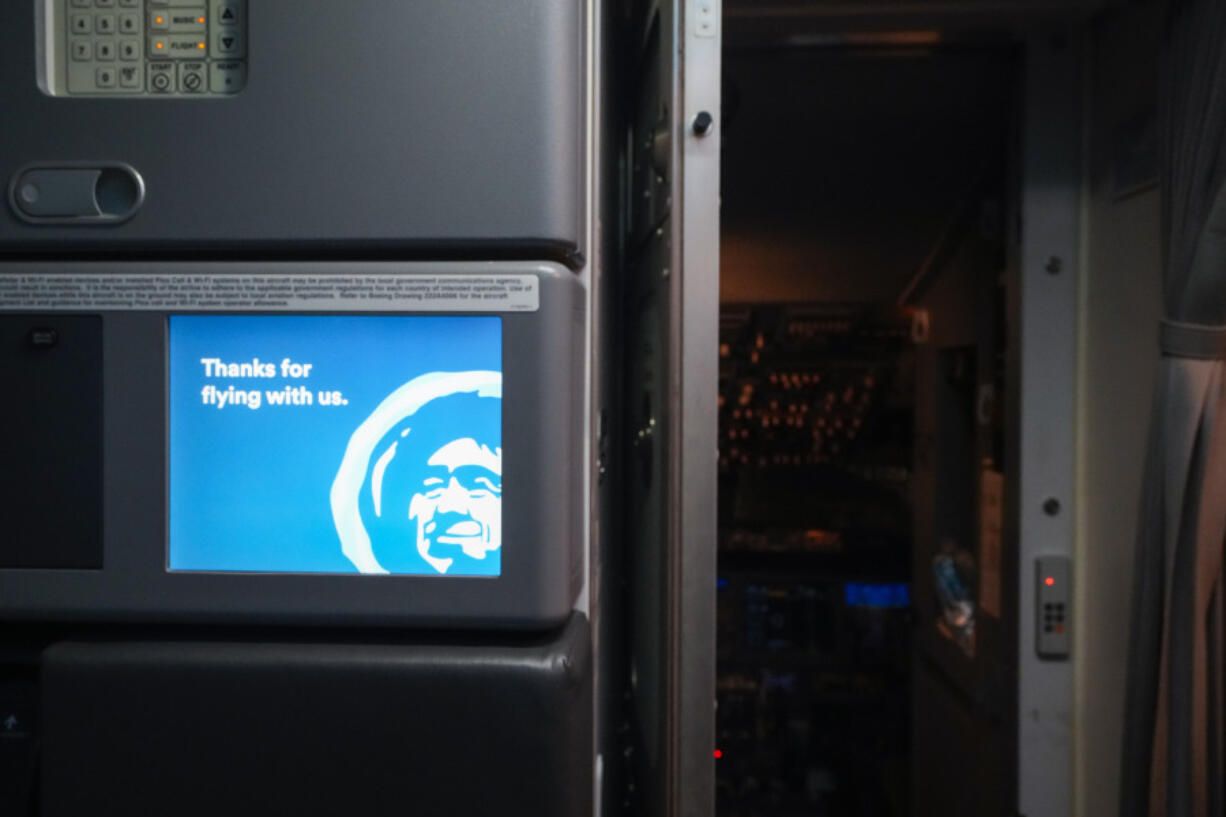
[(695, 367), (1052, 144), (589, 600)]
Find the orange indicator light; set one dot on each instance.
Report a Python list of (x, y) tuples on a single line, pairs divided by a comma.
[(200, 46), (159, 20), (159, 46), (1049, 581), (200, 20)]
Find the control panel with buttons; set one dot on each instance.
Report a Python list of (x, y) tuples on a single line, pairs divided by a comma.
[(1054, 607), (146, 48)]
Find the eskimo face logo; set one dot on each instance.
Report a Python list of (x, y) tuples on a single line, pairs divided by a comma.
[(458, 503), (420, 487)]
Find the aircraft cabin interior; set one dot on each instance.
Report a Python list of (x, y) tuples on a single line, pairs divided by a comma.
[(613, 408)]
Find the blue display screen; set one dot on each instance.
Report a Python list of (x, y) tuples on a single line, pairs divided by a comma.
[(336, 444), (861, 594)]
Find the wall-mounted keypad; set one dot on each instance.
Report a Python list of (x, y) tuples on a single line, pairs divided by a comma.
[(152, 47), (1053, 607)]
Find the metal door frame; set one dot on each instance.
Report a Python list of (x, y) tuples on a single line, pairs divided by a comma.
[(695, 379), (1046, 405)]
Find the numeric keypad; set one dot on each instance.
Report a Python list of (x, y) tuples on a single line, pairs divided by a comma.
[(154, 47)]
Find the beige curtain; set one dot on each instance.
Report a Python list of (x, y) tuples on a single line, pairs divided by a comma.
[(1173, 761)]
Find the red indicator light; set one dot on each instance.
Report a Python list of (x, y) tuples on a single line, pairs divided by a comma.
[(718, 754), (1049, 581)]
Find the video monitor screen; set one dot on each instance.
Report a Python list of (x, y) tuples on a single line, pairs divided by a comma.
[(335, 444)]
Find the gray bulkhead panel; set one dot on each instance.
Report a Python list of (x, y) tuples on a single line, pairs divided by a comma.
[(393, 726), (542, 403), (435, 123)]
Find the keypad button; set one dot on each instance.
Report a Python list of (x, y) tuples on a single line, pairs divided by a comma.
[(129, 23), (186, 21), (228, 13), (129, 50), (105, 50), (106, 77), (82, 24), (105, 4), (193, 77), (162, 78), (130, 76), (227, 77), (229, 44), (105, 24), (159, 20), (82, 50), (178, 47)]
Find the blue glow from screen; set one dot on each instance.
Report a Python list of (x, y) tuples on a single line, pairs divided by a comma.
[(336, 444), (861, 594)]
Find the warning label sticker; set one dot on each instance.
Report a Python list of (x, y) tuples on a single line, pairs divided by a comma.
[(278, 293)]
